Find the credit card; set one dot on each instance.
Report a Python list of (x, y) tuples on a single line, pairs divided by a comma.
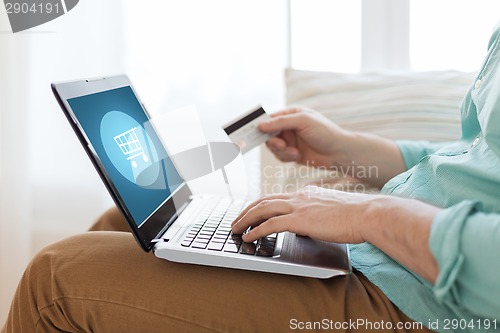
[(244, 130)]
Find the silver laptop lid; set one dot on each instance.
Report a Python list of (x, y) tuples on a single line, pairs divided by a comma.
[(116, 132)]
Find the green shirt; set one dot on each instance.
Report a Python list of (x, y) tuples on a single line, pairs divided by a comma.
[(463, 178)]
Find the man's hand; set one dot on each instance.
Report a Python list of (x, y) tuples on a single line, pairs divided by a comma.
[(306, 137), (313, 211), (399, 227)]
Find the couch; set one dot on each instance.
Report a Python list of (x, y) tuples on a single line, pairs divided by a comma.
[(411, 105)]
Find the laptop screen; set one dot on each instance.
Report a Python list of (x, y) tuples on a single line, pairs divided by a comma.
[(128, 148)]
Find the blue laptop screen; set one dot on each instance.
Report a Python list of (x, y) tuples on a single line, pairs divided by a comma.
[(128, 148)]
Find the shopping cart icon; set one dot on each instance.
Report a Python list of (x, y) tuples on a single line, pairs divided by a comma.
[(130, 146)]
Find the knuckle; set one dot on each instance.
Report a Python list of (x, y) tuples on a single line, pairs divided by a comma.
[(262, 206), (264, 203), (308, 111), (302, 211), (273, 225), (272, 221), (303, 116), (309, 189), (292, 225), (304, 192)]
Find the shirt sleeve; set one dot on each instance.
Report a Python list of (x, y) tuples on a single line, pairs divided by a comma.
[(414, 151), (466, 245)]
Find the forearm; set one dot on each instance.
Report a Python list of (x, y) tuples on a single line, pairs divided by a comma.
[(375, 159), (401, 228)]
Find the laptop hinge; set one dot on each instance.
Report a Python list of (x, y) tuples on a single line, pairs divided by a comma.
[(158, 237)]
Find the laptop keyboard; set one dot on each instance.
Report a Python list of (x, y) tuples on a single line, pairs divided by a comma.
[(212, 232)]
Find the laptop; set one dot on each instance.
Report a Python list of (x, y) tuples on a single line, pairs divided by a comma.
[(164, 215)]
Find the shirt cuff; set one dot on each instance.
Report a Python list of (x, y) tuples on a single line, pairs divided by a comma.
[(444, 242), (414, 151)]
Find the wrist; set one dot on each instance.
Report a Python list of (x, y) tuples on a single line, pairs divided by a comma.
[(374, 214), (342, 148), (382, 213)]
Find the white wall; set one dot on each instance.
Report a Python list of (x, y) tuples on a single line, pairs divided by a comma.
[(14, 201), (66, 193), (221, 56), (49, 189)]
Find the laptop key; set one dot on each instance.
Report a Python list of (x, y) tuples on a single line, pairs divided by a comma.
[(215, 246), (248, 248), (236, 237), (268, 242), (265, 251), (199, 245), (233, 248), (235, 240), (201, 238), (218, 240)]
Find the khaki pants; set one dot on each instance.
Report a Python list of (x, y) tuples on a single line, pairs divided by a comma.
[(103, 282)]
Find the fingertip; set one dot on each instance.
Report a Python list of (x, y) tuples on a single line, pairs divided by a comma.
[(234, 227), (247, 238), (276, 143), (293, 152), (265, 126)]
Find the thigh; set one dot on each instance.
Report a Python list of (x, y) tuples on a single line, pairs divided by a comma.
[(103, 282), (111, 220)]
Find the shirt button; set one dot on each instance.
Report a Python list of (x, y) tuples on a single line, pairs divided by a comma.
[(478, 84), (476, 141)]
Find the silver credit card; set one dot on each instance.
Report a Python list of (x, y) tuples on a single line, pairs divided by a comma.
[(244, 130)]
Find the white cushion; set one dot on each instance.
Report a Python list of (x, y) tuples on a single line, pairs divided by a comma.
[(422, 105)]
